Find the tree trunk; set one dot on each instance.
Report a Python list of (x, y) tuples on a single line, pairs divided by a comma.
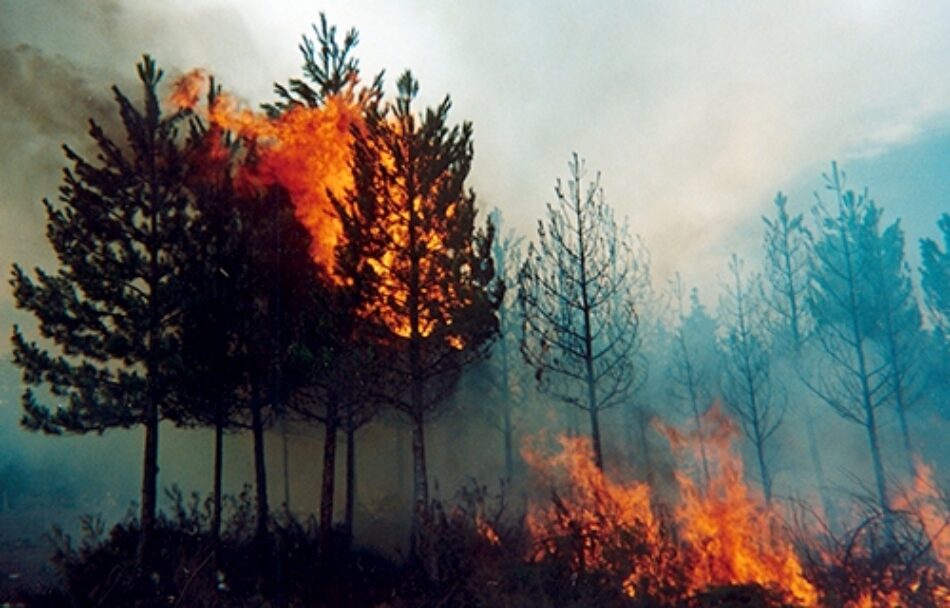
[(350, 483), (642, 421), (149, 486), (286, 467), (216, 484), (327, 487), (595, 438), (830, 513), (420, 484), (905, 429), (508, 432), (260, 471), (763, 470)]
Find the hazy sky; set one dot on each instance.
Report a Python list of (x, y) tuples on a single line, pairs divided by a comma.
[(696, 113)]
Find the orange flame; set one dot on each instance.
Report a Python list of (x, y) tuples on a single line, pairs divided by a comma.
[(307, 150), (726, 534), (736, 538)]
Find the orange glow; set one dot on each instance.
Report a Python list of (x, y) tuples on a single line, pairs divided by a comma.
[(597, 513), (735, 538), (924, 503), (306, 150), (725, 535)]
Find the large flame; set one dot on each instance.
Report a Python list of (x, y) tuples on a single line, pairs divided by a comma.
[(735, 537), (724, 534), (306, 150)]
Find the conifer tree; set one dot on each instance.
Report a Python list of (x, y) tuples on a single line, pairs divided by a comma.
[(109, 314), (576, 289), (413, 256)]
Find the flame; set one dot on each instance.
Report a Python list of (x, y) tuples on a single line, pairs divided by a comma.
[(724, 535), (307, 150), (735, 537), (924, 502)]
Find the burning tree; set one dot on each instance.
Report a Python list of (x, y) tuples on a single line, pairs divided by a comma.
[(112, 308), (413, 257), (576, 292), (747, 384)]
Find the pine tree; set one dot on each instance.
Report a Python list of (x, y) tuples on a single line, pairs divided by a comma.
[(747, 382), (109, 314), (576, 290), (413, 256), (849, 376), (897, 328), (935, 276), (693, 369)]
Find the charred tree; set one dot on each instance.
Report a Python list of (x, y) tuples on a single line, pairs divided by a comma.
[(412, 254), (746, 379), (576, 290), (111, 310)]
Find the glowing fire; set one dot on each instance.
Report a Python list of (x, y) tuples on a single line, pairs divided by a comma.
[(735, 538), (726, 535), (308, 151)]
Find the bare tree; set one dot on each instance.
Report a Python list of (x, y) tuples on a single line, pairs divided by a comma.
[(508, 373), (746, 380), (576, 290)]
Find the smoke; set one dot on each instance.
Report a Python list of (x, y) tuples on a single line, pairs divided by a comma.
[(695, 116)]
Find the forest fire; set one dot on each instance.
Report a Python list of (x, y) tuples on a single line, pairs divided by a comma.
[(306, 150), (720, 535)]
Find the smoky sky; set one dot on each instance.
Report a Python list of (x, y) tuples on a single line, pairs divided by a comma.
[(695, 114)]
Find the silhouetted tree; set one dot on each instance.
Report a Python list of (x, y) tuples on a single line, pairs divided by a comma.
[(576, 290), (422, 270), (112, 308), (849, 376), (211, 391), (693, 369), (787, 250), (747, 376), (935, 283)]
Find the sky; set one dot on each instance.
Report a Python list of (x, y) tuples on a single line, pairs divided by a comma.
[(695, 114)]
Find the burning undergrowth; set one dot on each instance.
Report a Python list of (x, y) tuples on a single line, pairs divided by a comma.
[(719, 543)]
